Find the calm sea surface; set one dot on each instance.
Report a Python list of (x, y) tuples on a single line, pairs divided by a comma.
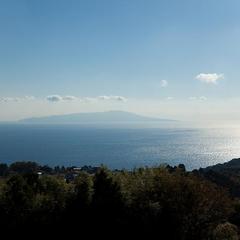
[(117, 147)]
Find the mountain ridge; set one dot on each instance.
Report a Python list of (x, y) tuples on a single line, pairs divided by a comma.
[(94, 117)]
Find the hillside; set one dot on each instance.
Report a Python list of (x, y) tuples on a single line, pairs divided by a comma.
[(230, 166), (225, 175)]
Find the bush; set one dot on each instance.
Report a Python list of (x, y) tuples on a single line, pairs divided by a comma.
[(226, 231)]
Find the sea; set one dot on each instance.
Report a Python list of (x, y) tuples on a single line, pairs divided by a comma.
[(117, 147)]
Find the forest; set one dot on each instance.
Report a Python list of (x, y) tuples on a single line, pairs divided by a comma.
[(168, 202)]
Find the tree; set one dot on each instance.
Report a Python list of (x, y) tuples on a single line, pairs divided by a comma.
[(3, 169), (107, 192), (24, 167), (83, 189), (108, 204), (226, 231), (18, 201)]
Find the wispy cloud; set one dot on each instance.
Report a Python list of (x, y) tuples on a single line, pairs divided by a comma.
[(103, 97), (69, 98), (170, 98), (29, 98), (116, 98), (6, 99), (59, 98), (201, 98), (210, 78), (163, 83), (120, 98), (16, 99), (54, 98)]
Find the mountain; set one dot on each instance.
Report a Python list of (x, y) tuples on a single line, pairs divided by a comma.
[(96, 117)]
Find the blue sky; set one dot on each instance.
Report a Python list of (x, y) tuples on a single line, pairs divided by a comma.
[(165, 58)]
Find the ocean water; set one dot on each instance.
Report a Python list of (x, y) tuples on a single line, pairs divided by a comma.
[(76, 145)]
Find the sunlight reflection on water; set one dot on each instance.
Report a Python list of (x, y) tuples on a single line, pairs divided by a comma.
[(118, 148)]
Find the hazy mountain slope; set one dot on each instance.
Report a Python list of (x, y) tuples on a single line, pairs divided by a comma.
[(97, 117)]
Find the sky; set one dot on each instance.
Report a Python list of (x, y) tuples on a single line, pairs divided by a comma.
[(163, 58)]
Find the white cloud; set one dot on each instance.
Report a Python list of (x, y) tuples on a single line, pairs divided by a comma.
[(169, 98), (54, 98), (69, 98), (209, 77), (201, 98), (119, 98), (6, 99), (89, 99), (164, 83), (29, 98), (116, 98), (16, 99), (103, 97), (58, 98)]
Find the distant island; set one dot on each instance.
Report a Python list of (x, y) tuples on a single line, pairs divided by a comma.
[(95, 117)]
